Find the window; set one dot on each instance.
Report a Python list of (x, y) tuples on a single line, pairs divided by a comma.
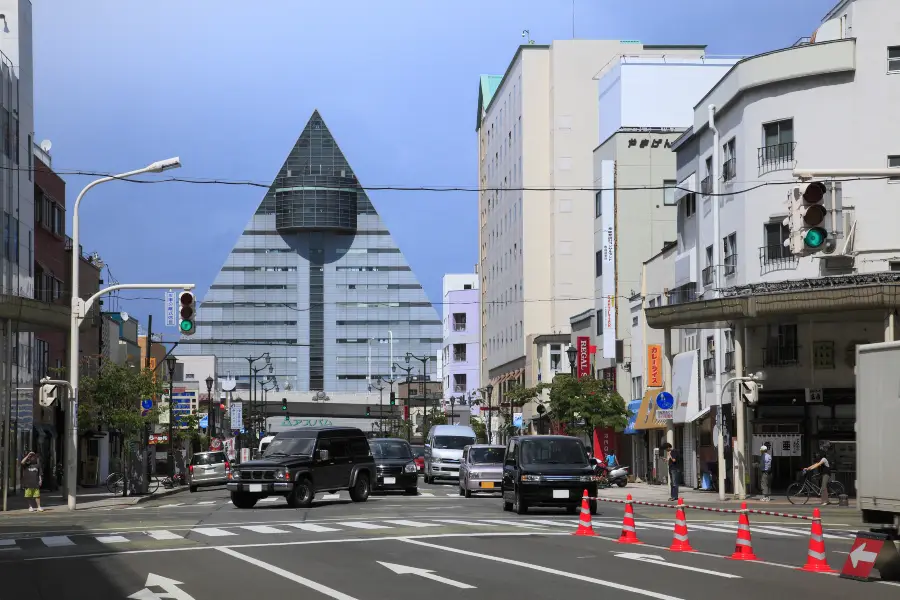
[(689, 201), (894, 162), (600, 322), (729, 167), (778, 145), (776, 234), (598, 205), (894, 59), (706, 183), (669, 192), (708, 270), (555, 356), (782, 347), (459, 353), (730, 243), (459, 383), (459, 321), (598, 263)]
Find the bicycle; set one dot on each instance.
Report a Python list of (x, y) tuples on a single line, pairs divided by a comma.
[(800, 492), (115, 483)]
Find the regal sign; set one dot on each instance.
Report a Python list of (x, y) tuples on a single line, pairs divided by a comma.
[(584, 356)]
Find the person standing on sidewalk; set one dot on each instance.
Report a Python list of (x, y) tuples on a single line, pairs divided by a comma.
[(765, 473), (673, 458), (31, 480), (825, 468)]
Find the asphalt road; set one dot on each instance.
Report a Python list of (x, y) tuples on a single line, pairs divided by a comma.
[(438, 544)]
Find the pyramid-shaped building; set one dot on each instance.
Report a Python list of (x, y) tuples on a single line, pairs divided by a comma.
[(316, 281)]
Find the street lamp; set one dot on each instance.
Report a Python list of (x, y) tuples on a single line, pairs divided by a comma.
[(490, 390), (170, 364), (378, 385), (71, 431), (571, 352), (211, 417)]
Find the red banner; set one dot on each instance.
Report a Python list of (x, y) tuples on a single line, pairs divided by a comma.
[(604, 442), (584, 356)]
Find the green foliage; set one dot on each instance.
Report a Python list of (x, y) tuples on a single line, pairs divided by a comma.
[(478, 426), (593, 400), (112, 400), (435, 417)]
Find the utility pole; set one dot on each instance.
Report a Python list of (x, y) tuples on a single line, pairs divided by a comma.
[(145, 438), (408, 371), (170, 363)]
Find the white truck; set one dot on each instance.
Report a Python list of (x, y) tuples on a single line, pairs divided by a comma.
[(878, 444)]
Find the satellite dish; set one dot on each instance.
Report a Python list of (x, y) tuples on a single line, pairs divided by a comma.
[(124, 315), (46, 145)]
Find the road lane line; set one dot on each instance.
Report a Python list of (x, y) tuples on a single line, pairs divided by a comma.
[(801, 533), (313, 527), (405, 523), (512, 523), (322, 589), (212, 531), (469, 523), (206, 502), (534, 567), (55, 541), (262, 529), (163, 534), (172, 505), (331, 496), (111, 539), (653, 559), (426, 494), (362, 525)]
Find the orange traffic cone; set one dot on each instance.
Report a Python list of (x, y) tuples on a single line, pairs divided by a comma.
[(680, 542), (743, 546), (815, 556), (629, 535), (584, 523)]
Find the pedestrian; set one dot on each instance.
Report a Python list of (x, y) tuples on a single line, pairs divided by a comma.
[(32, 480), (824, 467), (765, 474), (611, 461), (673, 459)]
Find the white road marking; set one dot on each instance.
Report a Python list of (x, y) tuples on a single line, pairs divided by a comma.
[(172, 505), (426, 574), (57, 540), (206, 502), (271, 499), (574, 524), (801, 533), (322, 589), (112, 539), (426, 494), (331, 496), (533, 567), (405, 523), (469, 523), (313, 527), (212, 531), (134, 507), (262, 529), (7, 542), (654, 559), (163, 534), (362, 525), (513, 523)]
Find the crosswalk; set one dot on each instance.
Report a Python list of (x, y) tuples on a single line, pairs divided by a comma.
[(274, 499), (262, 532)]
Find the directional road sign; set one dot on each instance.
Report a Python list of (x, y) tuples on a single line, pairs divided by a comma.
[(867, 550)]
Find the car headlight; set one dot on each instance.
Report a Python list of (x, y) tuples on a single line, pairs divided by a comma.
[(532, 478), (410, 468), (281, 474), (234, 474)]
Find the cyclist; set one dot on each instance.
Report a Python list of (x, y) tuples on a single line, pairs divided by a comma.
[(825, 468)]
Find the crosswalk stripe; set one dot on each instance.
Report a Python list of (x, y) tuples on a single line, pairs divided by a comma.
[(331, 496), (271, 499), (7, 542), (57, 540), (405, 523), (426, 494), (111, 539), (163, 534), (758, 529), (363, 525), (262, 529), (211, 531), (313, 527), (134, 507), (454, 495), (513, 523), (171, 505), (207, 502), (469, 523), (801, 533), (575, 523)]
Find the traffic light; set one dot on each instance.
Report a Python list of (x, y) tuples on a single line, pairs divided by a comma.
[(808, 219), (750, 392), (186, 313), (284, 404), (393, 399), (368, 412)]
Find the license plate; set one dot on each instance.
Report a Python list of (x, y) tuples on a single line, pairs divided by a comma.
[(487, 484), (390, 480), (255, 487), (560, 493)]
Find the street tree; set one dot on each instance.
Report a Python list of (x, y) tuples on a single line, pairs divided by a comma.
[(586, 403)]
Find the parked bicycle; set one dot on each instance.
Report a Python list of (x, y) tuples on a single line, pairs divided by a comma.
[(115, 483), (800, 492)]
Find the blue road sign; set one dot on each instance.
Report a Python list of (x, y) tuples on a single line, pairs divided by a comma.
[(665, 401), (146, 404)]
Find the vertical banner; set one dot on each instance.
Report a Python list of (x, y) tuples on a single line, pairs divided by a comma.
[(584, 357), (604, 442), (608, 279), (654, 366)]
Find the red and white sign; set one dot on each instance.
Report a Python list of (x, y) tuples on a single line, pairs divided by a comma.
[(863, 553), (604, 441), (584, 356), (215, 444)]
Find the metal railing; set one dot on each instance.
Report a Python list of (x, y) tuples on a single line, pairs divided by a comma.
[(709, 366), (729, 169), (459, 388), (459, 357), (776, 258), (781, 356), (682, 294), (776, 157), (730, 264), (707, 275), (706, 186)]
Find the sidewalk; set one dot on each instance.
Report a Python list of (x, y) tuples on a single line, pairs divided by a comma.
[(95, 497)]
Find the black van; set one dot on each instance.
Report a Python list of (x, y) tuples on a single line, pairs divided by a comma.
[(298, 464), (547, 470)]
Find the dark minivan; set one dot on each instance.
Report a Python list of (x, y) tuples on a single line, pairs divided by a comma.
[(298, 464), (395, 465), (547, 470)]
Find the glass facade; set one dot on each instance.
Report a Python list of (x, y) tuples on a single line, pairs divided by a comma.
[(317, 287)]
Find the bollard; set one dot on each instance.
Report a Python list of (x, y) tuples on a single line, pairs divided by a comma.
[(843, 500)]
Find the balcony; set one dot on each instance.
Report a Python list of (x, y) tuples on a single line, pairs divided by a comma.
[(776, 258), (778, 157), (707, 275), (680, 295), (706, 186), (709, 366), (729, 361), (729, 169), (730, 264), (781, 356)]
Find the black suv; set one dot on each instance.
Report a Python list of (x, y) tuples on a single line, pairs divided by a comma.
[(547, 470), (396, 466), (298, 464)]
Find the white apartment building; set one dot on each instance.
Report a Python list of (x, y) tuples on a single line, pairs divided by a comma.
[(458, 364), (537, 125), (739, 296)]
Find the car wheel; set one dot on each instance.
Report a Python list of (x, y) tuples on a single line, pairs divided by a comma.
[(360, 490), (412, 491), (193, 489), (467, 493), (243, 500), (521, 507), (302, 495)]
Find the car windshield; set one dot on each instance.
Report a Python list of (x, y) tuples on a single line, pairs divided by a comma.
[(391, 450), (290, 446), (452, 442), (418, 451), (486, 456), (553, 452)]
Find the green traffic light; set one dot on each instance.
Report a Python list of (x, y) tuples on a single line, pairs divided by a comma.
[(815, 237), (187, 325)]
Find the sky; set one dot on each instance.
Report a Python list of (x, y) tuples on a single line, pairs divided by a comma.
[(228, 89)]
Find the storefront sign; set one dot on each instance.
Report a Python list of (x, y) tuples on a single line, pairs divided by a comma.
[(654, 366), (584, 356), (158, 438), (605, 441), (608, 276)]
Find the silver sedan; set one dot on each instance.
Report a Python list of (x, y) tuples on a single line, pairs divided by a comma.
[(481, 469)]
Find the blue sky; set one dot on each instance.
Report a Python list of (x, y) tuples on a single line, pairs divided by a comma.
[(229, 89)]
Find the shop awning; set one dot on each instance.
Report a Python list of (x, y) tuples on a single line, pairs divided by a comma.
[(646, 418), (634, 407), (686, 386)]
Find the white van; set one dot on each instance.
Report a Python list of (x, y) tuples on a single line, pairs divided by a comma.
[(443, 450)]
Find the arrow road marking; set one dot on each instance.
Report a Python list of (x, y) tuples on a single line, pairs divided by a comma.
[(659, 560), (170, 587), (860, 554), (425, 573)]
